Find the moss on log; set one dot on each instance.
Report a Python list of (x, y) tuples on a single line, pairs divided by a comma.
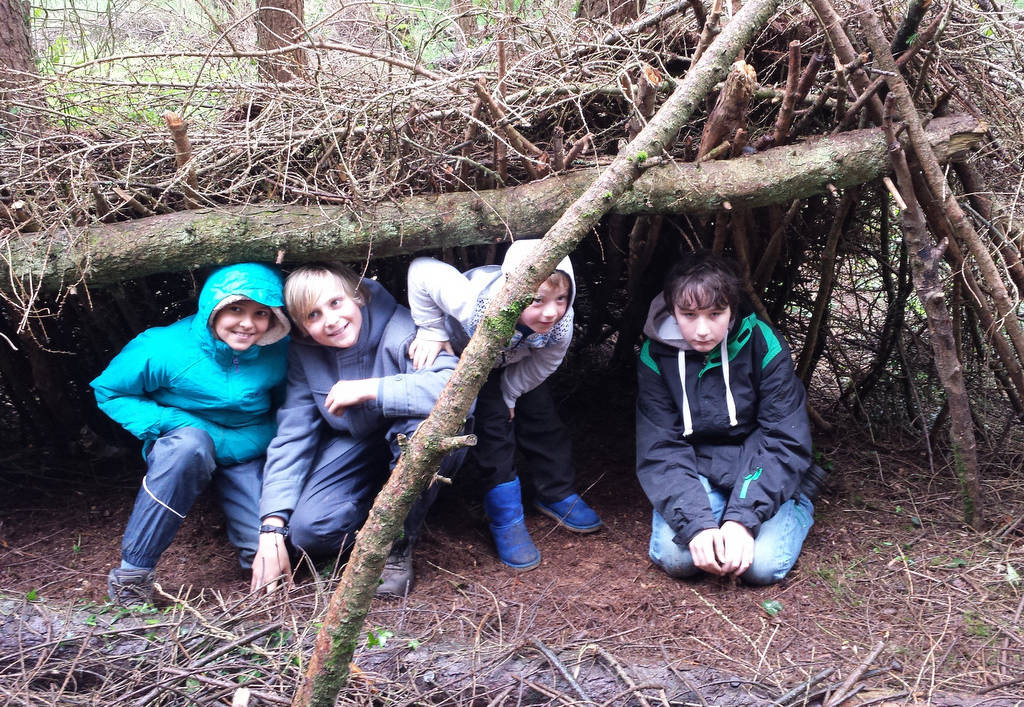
[(108, 253)]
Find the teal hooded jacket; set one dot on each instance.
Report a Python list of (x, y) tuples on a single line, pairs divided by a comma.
[(182, 375)]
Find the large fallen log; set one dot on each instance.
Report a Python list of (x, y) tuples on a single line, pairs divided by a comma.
[(107, 253)]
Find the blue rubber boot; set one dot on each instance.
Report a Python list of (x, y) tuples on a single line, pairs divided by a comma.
[(572, 513), (504, 506)]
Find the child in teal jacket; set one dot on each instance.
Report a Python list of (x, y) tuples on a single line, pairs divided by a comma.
[(200, 394)]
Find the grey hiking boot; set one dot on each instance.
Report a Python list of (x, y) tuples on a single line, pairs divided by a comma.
[(813, 482), (130, 588), (397, 578)]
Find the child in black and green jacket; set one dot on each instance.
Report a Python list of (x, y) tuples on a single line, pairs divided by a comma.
[(723, 439)]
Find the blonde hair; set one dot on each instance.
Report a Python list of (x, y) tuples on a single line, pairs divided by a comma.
[(306, 284)]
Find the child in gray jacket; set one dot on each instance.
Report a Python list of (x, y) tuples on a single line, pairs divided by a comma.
[(351, 391), (515, 407)]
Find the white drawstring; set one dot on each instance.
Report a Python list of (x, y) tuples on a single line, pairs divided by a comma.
[(158, 500), (729, 402), (687, 420)]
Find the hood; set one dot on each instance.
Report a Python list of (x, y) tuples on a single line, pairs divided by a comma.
[(254, 281), (377, 312), (661, 325), (521, 251)]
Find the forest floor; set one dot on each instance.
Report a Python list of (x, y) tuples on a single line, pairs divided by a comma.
[(887, 563)]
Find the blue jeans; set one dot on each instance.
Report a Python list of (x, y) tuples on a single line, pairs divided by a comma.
[(180, 466), (776, 546)]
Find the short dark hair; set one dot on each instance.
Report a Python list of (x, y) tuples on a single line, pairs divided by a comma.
[(701, 280)]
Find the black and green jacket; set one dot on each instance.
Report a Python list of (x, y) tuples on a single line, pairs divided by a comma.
[(760, 455)]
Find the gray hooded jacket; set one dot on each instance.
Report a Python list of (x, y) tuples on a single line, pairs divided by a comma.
[(447, 305)]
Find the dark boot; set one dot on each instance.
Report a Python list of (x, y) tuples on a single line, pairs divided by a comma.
[(813, 482), (130, 588), (504, 506), (397, 578)]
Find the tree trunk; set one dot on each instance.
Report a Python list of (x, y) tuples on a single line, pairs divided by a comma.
[(279, 24), (336, 642), (108, 253), (618, 12), (925, 259), (17, 68)]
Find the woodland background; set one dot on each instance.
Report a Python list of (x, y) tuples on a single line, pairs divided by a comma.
[(141, 142)]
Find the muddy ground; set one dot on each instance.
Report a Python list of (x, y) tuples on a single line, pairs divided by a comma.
[(888, 562)]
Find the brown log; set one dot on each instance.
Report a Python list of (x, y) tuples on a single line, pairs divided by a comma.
[(182, 155), (937, 184), (833, 23), (928, 281), (104, 254)]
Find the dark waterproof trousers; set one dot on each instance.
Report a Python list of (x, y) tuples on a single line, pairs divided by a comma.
[(180, 466), (347, 474), (538, 433)]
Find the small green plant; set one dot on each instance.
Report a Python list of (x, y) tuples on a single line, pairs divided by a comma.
[(378, 637), (413, 644), (976, 626), (1012, 576), (76, 547), (32, 595), (771, 607)]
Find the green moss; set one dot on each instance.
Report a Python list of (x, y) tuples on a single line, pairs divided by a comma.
[(965, 492), (504, 323)]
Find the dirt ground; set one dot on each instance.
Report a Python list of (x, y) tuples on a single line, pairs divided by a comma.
[(887, 563)]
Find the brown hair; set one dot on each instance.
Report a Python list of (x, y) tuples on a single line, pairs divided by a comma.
[(702, 280)]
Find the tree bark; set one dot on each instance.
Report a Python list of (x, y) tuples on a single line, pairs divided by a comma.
[(336, 642), (617, 11), (937, 184), (925, 259), (105, 254), (279, 24), (17, 67)]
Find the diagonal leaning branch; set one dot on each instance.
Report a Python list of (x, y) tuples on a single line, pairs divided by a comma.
[(336, 642)]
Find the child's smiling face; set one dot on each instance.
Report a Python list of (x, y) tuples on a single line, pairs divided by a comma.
[(242, 323), (703, 328), (547, 308), (335, 318)]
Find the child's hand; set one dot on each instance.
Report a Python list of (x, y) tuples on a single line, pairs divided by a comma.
[(345, 394), (737, 548), (422, 352), (704, 549), (271, 563)]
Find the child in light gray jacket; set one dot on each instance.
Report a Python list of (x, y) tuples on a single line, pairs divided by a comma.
[(515, 407)]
